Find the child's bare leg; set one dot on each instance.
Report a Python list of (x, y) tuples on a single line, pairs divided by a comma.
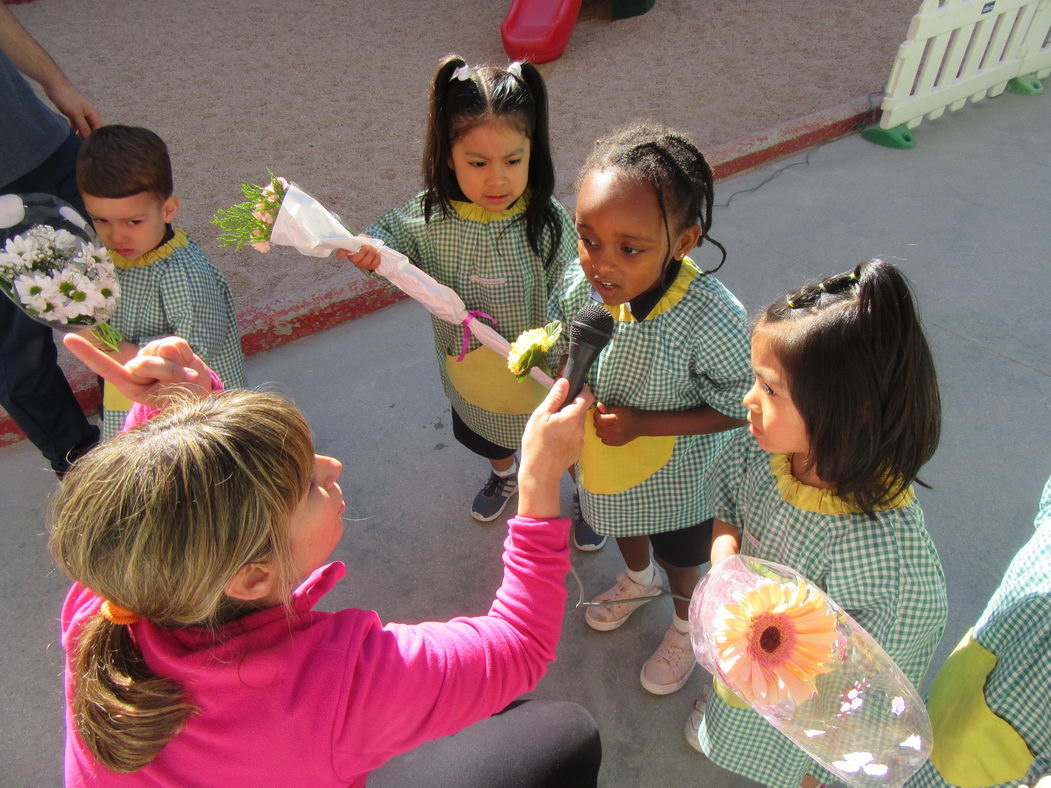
[(636, 551), (504, 464), (682, 580)]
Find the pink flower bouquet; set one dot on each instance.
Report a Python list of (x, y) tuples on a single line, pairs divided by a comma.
[(285, 215), (787, 650)]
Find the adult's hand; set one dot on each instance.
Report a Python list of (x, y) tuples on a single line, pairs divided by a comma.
[(33, 60), (81, 113), (162, 369), (551, 442)]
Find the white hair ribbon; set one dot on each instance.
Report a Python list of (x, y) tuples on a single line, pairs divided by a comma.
[(515, 69), (463, 73)]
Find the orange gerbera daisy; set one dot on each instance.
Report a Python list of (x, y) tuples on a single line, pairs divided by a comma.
[(775, 641)]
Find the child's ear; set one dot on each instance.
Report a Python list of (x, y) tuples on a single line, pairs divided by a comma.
[(169, 208), (688, 239), (252, 582)]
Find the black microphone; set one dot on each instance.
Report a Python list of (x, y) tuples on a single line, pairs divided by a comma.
[(589, 332)]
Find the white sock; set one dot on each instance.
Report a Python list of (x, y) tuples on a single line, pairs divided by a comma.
[(510, 471), (682, 626), (645, 577)]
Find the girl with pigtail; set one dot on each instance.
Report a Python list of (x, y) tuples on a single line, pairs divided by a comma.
[(843, 413), (669, 384), (194, 659), (488, 226)]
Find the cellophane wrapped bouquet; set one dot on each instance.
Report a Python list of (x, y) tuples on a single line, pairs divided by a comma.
[(790, 652), (53, 268)]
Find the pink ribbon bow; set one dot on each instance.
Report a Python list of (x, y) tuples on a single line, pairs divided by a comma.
[(471, 313)]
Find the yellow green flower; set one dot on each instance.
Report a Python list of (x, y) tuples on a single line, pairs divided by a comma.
[(530, 349)]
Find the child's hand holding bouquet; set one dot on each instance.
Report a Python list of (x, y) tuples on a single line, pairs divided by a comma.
[(281, 213)]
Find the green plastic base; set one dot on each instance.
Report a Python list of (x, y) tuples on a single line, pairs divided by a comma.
[(622, 9), (899, 137), (1028, 85)]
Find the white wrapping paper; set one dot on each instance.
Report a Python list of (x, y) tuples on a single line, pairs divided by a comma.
[(311, 229)]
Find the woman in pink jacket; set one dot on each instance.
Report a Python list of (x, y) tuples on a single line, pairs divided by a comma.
[(191, 659)]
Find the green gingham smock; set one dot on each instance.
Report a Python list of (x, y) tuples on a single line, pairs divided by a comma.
[(1012, 727), (885, 573), (176, 290), (485, 257), (692, 349)]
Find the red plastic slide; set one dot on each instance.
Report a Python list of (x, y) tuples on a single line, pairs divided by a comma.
[(538, 30)]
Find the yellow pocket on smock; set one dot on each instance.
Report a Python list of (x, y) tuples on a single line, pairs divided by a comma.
[(972, 745), (727, 695), (484, 380), (112, 399), (608, 470)]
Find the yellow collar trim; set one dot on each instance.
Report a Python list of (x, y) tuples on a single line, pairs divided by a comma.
[(473, 212), (815, 499), (688, 271), (162, 251)]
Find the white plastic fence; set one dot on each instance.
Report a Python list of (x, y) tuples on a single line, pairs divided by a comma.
[(965, 49)]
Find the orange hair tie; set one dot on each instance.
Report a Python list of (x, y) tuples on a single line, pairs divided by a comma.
[(118, 615)]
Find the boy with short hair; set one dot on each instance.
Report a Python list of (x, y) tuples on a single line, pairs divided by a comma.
[(167, 284)]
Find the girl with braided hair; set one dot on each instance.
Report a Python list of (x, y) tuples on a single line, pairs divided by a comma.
[(488, 226), (670, 383), (843, 414)]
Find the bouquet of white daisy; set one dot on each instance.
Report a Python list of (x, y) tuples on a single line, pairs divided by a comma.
[(55, 271), (284, 214)]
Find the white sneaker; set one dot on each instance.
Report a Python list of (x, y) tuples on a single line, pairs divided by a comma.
[(607, 617), (669, 668), (692, 728)]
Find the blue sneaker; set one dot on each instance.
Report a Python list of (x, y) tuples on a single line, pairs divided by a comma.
[(584, 537), (493, 497)]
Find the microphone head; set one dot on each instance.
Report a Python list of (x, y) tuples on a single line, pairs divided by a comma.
[(592, 325)]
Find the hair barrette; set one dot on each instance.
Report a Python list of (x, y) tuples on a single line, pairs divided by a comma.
[(821, 287), (462, 74), (791, 304), (515, 69)]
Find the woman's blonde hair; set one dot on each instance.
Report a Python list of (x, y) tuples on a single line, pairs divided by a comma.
[(157, 521)]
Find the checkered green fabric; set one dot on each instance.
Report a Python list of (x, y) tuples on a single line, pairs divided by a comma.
[(693, 354), (181, 294), (885, 573), (1016, 627), (492, 268)]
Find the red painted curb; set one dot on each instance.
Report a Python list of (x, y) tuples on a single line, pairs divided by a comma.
[(350, 295)]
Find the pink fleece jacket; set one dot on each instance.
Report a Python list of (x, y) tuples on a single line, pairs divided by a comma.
[(321, 698)]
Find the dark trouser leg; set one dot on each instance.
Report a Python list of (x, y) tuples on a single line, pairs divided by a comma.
[(32, 387), (475, 442), (35, 392), (529, 744)]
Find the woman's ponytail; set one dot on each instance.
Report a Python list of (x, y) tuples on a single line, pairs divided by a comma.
[(123, 712)]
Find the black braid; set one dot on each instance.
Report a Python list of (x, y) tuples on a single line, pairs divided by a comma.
[(836, 285), (674, 166)]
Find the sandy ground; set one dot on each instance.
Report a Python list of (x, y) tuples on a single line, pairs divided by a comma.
[(334, 94)]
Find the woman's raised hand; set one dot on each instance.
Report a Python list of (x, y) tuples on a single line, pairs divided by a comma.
[(161, 368), (551, 443)]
